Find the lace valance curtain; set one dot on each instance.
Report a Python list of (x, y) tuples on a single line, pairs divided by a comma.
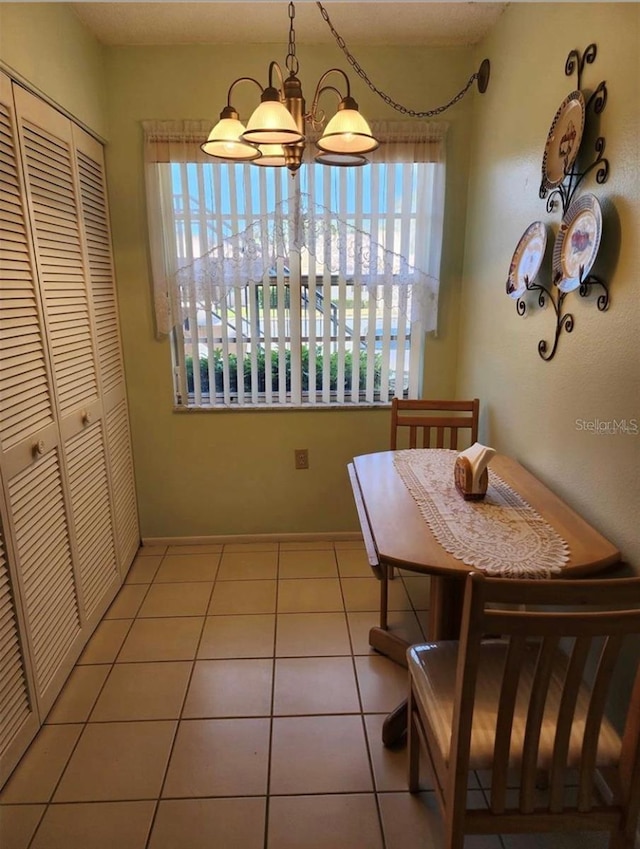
[(295, 222), (402, 141)]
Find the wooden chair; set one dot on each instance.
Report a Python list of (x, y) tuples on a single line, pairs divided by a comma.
[(432, 424), (437, 423), (518, 707)]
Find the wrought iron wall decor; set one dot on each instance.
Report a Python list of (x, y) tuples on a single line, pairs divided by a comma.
[(578, 238)]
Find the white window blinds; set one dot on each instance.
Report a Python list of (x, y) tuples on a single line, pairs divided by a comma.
[(284, 291)]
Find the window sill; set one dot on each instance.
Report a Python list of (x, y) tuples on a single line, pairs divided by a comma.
[(288, 408)]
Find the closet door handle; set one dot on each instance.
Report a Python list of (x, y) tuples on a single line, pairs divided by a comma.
[(38, 448), (86, 417)]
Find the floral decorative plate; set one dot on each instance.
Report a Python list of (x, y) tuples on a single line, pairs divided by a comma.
[(576, 245), (527, 259), (563, 141)]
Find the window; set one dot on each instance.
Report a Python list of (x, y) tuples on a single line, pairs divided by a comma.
[(299, 291)]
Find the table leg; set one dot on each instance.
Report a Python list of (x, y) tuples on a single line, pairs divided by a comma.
[(390, 645), (384, 595), (445, 611), (445, 608), (395, 725)]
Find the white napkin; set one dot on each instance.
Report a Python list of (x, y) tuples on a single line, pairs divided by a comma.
[(478, 456)]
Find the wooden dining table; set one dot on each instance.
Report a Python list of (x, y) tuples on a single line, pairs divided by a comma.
[(396, 535)]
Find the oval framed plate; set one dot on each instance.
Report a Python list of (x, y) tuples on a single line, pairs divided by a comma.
[(576, 245), (563, 141), (527, 259)]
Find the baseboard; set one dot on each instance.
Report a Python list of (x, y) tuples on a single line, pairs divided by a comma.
[(225, 539)]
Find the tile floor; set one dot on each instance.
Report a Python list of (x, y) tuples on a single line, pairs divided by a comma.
[(230, 700)]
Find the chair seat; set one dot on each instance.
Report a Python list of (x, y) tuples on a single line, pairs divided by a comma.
[(433, 671)]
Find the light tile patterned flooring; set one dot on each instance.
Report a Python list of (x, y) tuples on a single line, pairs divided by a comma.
[(229, 700)]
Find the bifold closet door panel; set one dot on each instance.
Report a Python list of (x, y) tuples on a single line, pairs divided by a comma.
[(97, 239), (35, 526), (123, 484), (19, 720), (86, 467), (47, 156), (45, 575), (52, 192), (26, 396)]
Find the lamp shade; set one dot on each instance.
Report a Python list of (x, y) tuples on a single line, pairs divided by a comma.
[(271, 154), (339, 160), (225, 142), (347, 132), (272, 123)]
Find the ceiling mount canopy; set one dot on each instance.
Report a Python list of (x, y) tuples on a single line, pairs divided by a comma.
[(275, 132)]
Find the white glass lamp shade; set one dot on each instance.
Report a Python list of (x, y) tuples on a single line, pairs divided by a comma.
[(272, 123), (225, 142), (339, 160), (271, 154), (347, 132)]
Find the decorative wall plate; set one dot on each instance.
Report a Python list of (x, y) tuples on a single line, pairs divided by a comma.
[(563, 141), (576, 245), (527, 259)]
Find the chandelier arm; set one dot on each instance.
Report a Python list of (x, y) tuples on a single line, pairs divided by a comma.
[(318, 117), (482, 75), (274, 66), (241, 80), (315, 115)]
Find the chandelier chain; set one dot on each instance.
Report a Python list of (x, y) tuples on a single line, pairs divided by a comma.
[(412, 113), (291, 62)]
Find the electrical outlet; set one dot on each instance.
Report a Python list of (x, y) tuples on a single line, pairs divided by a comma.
[(301, 457)]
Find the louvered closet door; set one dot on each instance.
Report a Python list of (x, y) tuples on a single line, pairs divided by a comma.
[(18, 717), (97, 239), (30, 453), (53, 198)]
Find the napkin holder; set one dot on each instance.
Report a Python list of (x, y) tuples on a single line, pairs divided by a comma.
[(470, 473)]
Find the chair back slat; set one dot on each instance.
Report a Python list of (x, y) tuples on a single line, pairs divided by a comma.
[(564, 723), (533, 726), (504, 723), (599, 693), (466, 677), (629, 773)]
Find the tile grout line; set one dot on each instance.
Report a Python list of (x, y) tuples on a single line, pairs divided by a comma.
[(267, 802), (86, 722), (181, 711), (374, 791)]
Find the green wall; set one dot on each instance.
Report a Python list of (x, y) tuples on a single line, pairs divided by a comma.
[(532, 408), (233, 472), (48, 46)]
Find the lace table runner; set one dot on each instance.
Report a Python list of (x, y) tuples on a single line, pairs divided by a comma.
[(501, 535)]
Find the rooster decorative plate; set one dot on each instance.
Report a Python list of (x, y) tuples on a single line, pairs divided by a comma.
[(576, 245), (563, 141)]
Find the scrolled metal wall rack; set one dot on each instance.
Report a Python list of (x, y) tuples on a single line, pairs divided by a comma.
[(564, 320), (563, 195)]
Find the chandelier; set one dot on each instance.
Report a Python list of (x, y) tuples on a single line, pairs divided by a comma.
[(275, 132)]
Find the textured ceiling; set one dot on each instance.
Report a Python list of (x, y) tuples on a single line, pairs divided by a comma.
[(360, 22)]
